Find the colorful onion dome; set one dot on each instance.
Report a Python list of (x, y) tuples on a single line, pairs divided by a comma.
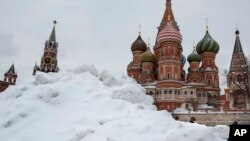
[(207, 44), (183, 59), (194, 57), (139, 45), (148, 56), (169, 34)]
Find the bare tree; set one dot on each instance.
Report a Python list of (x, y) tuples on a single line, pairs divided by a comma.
[(248, 62), (224, 76)]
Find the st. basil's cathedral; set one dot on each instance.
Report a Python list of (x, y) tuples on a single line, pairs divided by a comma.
[(161, 71), (163, 76)]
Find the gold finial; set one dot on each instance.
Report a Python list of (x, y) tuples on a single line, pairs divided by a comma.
[(139, 29), (148, 42), (54, 21), (194, 44), (206, 24), (237, 26)]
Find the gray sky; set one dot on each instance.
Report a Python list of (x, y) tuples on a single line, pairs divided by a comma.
[(101, 32)]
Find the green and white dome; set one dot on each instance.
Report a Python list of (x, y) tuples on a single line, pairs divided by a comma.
[(194, 57), (207, 44)]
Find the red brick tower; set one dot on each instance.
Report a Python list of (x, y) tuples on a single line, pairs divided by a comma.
[(138, 48), (9, 79), (208, 49), (148, 61), (10, 76), (168, 49), (194, 75), (49, 59)]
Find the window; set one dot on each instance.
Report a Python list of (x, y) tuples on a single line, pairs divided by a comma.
[(239, 78), (199, 95), (170, 91), (166, 91), (150, 93), (191, 92), (209, 82), (204, 95), (185, 92)]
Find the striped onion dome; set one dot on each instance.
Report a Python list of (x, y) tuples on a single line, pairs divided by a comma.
[(139, 45), (148, 56), (207, 44), (183, 59), (169, 34), (194, 57)]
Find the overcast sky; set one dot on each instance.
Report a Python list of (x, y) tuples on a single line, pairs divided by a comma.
[(101, 32)]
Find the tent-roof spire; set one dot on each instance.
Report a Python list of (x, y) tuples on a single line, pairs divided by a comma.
[(52, 37)]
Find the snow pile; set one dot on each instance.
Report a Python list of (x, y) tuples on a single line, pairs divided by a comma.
[(84, 105), (180, 110)]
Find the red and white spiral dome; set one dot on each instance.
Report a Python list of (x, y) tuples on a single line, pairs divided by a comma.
[(169, 34)]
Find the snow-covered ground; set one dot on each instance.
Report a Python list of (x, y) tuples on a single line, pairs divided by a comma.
[(84, 105)]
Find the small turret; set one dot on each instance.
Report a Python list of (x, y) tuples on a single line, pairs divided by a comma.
[(10, 76)]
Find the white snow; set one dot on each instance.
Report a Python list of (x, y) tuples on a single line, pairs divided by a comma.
[(84, 105), (180, 110)]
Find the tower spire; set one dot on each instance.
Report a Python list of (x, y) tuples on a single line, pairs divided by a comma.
[(237, 45), (148, 42), (168, 15), (139, 29), (12, 69), (52, 37), (206, 24)]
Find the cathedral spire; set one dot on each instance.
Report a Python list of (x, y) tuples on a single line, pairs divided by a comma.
[(139, 29), (237, 45), (237, 55), (207, 24), (52, 37), (168, 15)]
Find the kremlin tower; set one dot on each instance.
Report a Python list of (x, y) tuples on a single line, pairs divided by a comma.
[(9, 78), (49, 58)]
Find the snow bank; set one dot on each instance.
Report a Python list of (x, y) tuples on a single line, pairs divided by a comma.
[(84, 105)]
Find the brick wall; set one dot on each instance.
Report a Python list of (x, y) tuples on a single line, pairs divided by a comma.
[(215, 118)]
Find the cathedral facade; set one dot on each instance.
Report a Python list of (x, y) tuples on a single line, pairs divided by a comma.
[(162, 72)]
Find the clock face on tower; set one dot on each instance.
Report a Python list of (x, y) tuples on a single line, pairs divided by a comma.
[(47, 60)]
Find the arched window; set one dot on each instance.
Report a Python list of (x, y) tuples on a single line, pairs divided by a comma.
[(239, 78), (209, 82), (150, 93), (204, 95)]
